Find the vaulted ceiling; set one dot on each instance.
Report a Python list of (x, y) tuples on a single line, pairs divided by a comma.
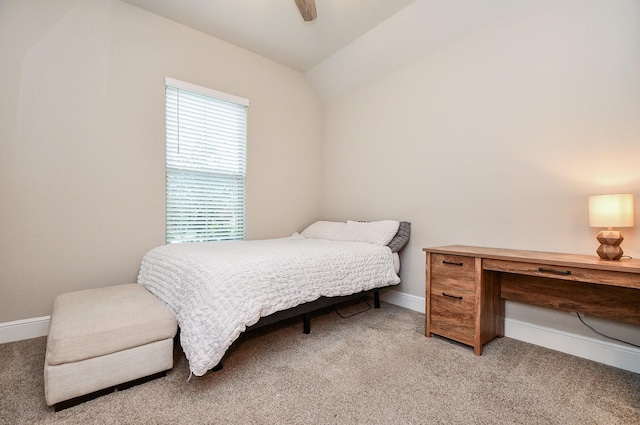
[(351, 43), (275, 29)]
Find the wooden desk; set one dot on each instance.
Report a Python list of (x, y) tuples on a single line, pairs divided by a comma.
[(467, 286)]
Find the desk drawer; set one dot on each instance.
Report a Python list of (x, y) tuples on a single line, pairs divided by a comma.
[(453, 272), (577, 274), (453, 317), (464, 290)]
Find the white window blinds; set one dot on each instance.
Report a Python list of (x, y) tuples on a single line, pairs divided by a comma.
[(206, 135)]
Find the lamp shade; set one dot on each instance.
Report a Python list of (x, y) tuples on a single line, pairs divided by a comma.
[(611, 210)]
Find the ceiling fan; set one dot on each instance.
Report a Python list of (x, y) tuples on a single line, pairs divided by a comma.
[(307, 9)]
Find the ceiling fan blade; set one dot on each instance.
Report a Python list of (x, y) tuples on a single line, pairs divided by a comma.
[(307, 9)]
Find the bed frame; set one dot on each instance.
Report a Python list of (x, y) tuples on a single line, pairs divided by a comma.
[(306, 309)]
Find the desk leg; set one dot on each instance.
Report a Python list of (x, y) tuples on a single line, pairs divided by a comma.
[(492, 310), (427, 316)]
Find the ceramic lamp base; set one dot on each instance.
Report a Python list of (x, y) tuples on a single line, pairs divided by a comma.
[(609, 248)]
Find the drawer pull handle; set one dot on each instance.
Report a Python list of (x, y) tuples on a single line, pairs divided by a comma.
[(451, 263), (451, 296), (560, 272)]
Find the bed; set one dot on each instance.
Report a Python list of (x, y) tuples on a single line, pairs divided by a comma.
[(217, 290)]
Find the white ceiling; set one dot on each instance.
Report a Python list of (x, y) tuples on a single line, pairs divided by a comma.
[(275, 29)]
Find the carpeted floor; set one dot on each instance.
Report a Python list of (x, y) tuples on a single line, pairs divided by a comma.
[(373, 368)]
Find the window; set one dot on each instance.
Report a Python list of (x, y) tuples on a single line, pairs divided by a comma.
[(206, 135)]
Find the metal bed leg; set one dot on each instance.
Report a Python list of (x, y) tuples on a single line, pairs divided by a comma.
[(306, 323), (376, 299)]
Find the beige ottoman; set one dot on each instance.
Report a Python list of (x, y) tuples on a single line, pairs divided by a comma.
[(102, 338)]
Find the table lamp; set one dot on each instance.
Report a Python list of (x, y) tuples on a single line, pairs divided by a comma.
[(610, 211)]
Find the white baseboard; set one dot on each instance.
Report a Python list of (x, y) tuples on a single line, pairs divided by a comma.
[(24, 329), (401, 299), (610, 353)]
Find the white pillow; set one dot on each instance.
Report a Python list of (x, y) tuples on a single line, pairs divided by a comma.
[(373, 232), (324, 230)]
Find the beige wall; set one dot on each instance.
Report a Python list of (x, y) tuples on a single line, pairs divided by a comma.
[(82, 142), (498, 138)]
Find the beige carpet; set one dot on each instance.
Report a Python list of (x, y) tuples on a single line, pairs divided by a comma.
[(373, 368)]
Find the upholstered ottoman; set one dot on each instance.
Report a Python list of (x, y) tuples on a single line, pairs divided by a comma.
[(102, 338)]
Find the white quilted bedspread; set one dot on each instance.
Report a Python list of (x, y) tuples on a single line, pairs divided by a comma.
[(217, 289)]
